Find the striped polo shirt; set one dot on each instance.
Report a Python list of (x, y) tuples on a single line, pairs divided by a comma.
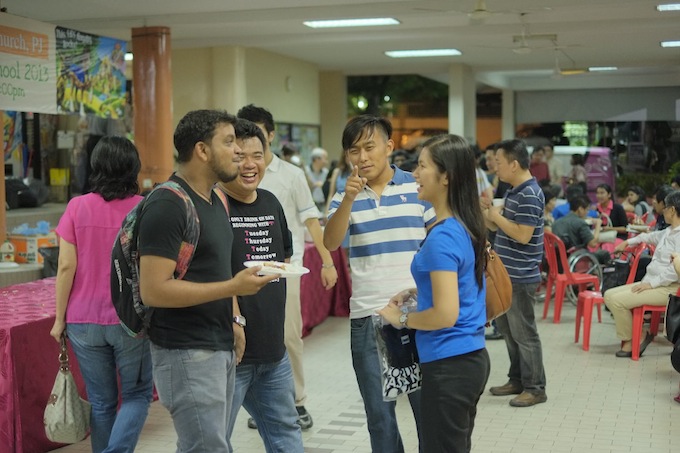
[(524, 205), (384, 234)]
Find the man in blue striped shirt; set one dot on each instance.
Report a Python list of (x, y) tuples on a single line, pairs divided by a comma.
[(519, 243), (386, 223)]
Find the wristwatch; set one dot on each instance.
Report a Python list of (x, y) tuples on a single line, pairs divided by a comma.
[(240, 320), (403, 319)]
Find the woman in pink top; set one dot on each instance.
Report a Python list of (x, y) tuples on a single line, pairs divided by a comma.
[(85, 312)]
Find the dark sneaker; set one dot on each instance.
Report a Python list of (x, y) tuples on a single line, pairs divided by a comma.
[(494, 336), (511, 388), (304, 418), (251, 423), (526, 399)]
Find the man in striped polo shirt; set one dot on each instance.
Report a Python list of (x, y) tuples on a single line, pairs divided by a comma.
[(386, 224), (519, 243)]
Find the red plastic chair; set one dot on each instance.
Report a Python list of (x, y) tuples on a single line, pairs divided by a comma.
[(588, 299), (638, 321), (555, 250)]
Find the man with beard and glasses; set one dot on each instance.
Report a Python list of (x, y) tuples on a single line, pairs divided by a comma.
[(192, 329)]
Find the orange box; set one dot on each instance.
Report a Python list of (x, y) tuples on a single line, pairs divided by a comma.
[(26, 247)]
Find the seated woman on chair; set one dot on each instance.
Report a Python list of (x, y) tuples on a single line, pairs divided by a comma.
[(616, 218), (659, 281), (636, 204)]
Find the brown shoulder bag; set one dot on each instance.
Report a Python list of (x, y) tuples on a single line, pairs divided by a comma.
[(498, 285)]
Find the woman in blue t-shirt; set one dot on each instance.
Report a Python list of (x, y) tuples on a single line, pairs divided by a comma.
[(449, 273)]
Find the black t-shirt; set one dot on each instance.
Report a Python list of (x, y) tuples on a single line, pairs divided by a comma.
[(261, 234), (619, 219), (161, 230)]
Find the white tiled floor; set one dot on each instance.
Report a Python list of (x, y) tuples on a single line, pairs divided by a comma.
[(596, 402)]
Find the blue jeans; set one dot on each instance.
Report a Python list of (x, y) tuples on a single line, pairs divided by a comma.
[(197, 387), (267, 391), (106, 353), (518, 326), (380, 415)]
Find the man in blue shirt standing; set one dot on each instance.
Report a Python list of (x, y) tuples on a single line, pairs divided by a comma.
[(519, 243)]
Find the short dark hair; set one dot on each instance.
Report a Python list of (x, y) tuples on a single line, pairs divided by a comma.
[(257, 115), (515, 150), (247, 129), (662, 192), (289, 149), (573, 190), (364, 124), (115, 167), (579, 201), (606, 187), (492, 147), (198, 126), (548, 194)]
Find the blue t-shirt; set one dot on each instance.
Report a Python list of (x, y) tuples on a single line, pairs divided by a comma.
[(448, 247)]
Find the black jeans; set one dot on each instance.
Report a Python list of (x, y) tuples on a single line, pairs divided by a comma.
[(449, 395)]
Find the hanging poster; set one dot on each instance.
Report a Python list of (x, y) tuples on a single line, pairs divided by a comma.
[(12, 140), (91, 74), (48, 69), (27, 69)]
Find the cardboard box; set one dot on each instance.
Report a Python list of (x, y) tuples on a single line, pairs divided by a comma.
[(26, 247)]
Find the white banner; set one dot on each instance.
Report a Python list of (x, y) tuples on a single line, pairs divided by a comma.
[(27, 65), (48, 69)]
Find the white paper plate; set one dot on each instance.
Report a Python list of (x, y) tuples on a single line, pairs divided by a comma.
[(637, 228), (277, 267), (9, 265)]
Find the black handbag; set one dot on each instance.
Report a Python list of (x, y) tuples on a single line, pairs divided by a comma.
[(672, 319)]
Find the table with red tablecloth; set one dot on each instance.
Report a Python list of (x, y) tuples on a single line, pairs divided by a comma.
[(28, 365), (317, 302)]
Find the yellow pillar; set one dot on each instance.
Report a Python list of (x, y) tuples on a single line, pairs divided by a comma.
[(152, 101)]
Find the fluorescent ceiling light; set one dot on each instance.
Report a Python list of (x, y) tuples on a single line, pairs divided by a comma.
[(128, 56), (422, 53), (573, 71), (670, 43), (368, 22), (668, 7), (602, 68)]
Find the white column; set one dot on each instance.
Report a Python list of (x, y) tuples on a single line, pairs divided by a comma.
[(508, 127), (462, 102)]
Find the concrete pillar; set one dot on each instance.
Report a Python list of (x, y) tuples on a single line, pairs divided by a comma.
[(152, 100), (508, 127), (332, 111), (462, 102)]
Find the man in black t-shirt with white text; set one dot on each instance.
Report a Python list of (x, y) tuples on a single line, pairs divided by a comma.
[(264, 378)]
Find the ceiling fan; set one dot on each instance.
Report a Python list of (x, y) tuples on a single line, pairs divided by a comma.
[(527, 42), (559, 72), (481, 13), (478, 15)]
